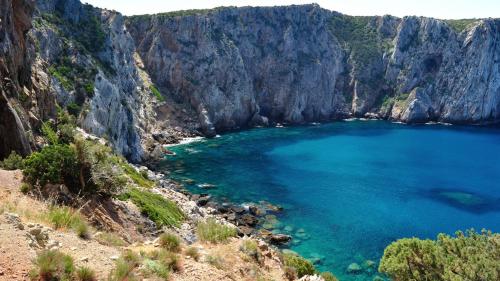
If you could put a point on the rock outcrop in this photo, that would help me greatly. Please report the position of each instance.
(147, 80)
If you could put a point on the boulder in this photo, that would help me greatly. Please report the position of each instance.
(279, 239)
(248, 219)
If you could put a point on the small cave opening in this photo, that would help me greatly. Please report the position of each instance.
(432, 63)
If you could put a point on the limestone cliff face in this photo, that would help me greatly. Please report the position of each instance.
(244, 66)
(24, 99)
(145, 80)
(94, 73)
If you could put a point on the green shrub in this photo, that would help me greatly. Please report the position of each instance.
(156, 93)
(53, 164)
(211, 231)
(193, 253)
(74, 109)
(89, 89)
(66, 133)
(98, 168)
(301, 265)
(52, 265)
(13, 162)
(60, 74)
(85, 274)
(170, 242)
(160, 210)
(470, 256)
(85, 167)
(49, 133)
(25, 188)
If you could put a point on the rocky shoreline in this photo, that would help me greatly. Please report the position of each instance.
(251, 220)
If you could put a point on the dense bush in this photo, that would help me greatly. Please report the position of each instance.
(85, 167)
(211, 231)
(13, 162)
(53, 164)
(301, 266)
(469, 256)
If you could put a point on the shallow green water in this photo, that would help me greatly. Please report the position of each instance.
(351, 188)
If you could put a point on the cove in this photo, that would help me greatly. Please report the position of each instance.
(349, 189)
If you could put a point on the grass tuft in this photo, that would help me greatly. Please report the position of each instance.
(216, 261)
(193, 253)
(52, 265)
(67, 218)
(170, 242)
(85, 274)
(211, 231)
(123, 271)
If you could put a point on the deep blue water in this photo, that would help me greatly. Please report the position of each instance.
(354, 187)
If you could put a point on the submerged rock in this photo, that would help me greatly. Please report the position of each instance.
(354, 268)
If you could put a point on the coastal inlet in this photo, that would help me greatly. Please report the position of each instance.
(348, 189)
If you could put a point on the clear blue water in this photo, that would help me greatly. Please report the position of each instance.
(354, 187)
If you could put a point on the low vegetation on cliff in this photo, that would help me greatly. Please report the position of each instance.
(466, 256)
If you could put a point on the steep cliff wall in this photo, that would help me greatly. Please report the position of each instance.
(24, 99)
(243, 66)
(146, 80)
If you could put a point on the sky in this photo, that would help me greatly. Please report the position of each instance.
(443, 9)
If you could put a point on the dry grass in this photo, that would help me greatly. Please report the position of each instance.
(13, 201)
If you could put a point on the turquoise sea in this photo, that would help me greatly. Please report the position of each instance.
(351, 188)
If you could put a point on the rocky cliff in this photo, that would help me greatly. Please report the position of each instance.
(243, 66)
(145, 80)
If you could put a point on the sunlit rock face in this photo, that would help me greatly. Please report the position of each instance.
(231, 68)
(240, 66)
